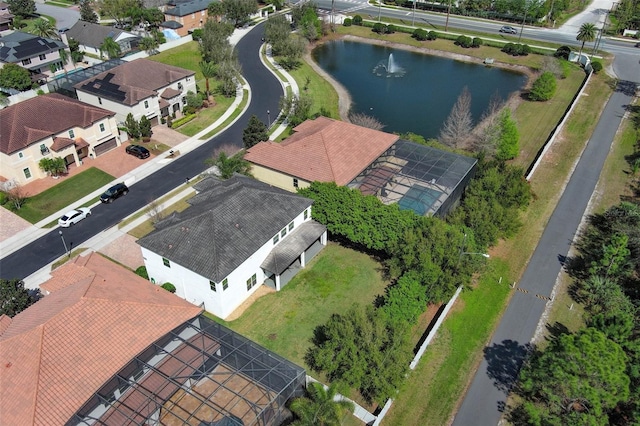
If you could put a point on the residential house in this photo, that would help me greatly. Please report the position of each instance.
(36, 128)
(37, 54)
(427, 180)
(107, 347)
(186, 16)
(140, 87)
(91, 36)
(6, 17)
(236, 235)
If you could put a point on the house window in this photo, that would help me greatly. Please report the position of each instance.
(166, 262)
(225, 284)
(290, 226)
(212, 286)
(72, 134)
(146, 104)
(26, 61)
(179, 86)
(27, 173)
(102, 127)
(184, 100)
(251, 282)
(283, 232)
(306, 214)
(20, 155)
(100, 101)
(43, 148)
(42, 57)
(295, 182)
(276, 239)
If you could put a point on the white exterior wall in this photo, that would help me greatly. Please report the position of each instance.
(196, 289)
(37, 63)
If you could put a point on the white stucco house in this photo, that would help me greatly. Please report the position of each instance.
(91, 36)
(140, 87)
(36, 128)
(236, 235)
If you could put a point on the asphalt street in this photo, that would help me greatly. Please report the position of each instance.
(266, 91)
(65, 17)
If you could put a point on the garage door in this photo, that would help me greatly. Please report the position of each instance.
(105, 146)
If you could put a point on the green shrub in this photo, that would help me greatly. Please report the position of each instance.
(40, 92)
(563, 52)
(3, 198)
(379, 28)
(432, 35)
(566, 68)
(142, 272)
(597, 66)
(391, 29)
(169, 287)
(197, 34)
(177, 123)
(357, 20)
(419, 34)
(463, 41)
(347, 22)
(515, 49)
(543, 88)
(477, 42)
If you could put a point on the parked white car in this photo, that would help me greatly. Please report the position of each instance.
(74, 216)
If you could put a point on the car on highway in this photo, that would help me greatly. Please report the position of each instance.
(74, 216)
(116, 191)
(508, 29)
(139, 151)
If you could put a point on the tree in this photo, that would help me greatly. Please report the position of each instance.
(64, 58)
(149, 45)
(215, 10)
(43, 28)
(208, 70)
(320, 407)
(13, 76)
(238, 11)
(577, 380)
(144, 126)
(14, 298)
(544, 87)
(214, 44)
(405, 301)
(586, 33)
(118, 10)
(228, 71)
(508, 146)
(22, 8)
(364, 120)
(87, 13)
(74, 48)
(255, 132)
(277, 31)
(457, 127)
(111, 48)
(229, 165)
(132, 127)
(16, 196)
(615, 257)
(297, 108)
(54, 166)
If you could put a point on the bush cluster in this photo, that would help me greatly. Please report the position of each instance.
(597, 66)
(347, 22)
(563, 52)
(544, 87)
(464, 41)
(142, 272)
(179, 122)
(169, 287)
(357, 20)
(516, 49)
(381, 28)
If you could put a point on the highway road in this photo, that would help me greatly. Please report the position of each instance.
(266, 91)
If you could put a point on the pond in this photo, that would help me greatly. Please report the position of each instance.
(408, 91)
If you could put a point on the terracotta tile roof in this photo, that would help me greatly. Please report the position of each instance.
(61, 143)
(38, 118)
(169, 93)
(58, 352)
(131, 82)
(323, 149)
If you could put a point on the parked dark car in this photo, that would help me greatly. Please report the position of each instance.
(116, 191)
(508, 29)
(137, 150)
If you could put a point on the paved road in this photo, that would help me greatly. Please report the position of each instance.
(65, 17)
(266, 91)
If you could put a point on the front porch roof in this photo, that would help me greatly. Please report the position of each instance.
(291, 247)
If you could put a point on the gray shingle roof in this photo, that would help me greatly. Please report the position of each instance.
(225, 224)
(288, 250)
(17, 46)
(93, 35)
(189, 7)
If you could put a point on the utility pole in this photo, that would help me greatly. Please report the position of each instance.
(446, 23)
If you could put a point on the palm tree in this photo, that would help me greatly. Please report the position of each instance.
(320, 407)
(208, 70)
(110, 47)
(43, 28)
(149, 45)
(587, 33)
(229, 165)
(64, 58)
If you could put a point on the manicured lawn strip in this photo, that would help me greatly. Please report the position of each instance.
(206, 116)
(236, 113)
(430, 394)
(284, 322)
(60, 196)
(185, 56)
(536, 120)
(324, 95)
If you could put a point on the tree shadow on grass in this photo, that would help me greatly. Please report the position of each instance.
(504, 361)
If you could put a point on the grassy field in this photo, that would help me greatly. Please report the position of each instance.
(337, 278)
(206, 116)
(60, 196)
(324, 95)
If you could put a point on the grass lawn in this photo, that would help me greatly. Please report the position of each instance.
(206, 117)
(284, 322)
(66, 192)
(324, 95)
